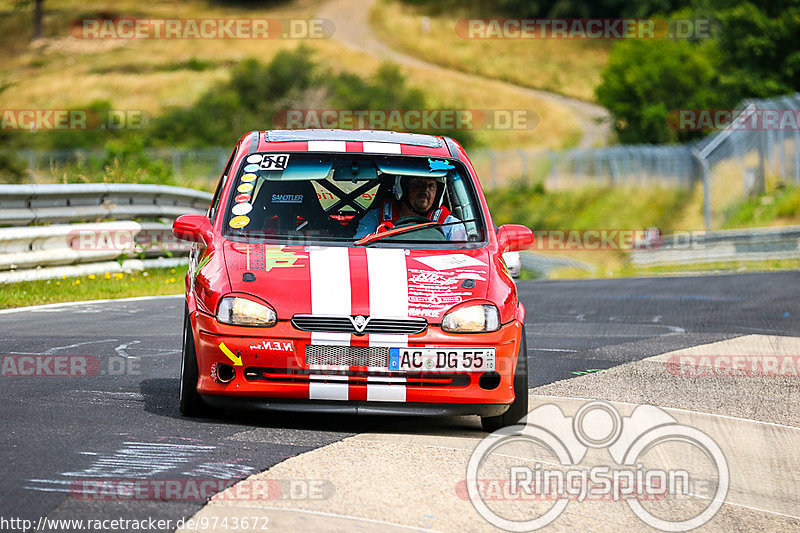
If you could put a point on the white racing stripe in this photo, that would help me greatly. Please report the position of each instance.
(330, 295)
(388, 283)
(327, 146)
(392, 392)
(334, 339)
(328, 391)
(381, 148)
(388, 298)
(330, 281)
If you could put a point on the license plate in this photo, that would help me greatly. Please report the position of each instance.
(441, 359)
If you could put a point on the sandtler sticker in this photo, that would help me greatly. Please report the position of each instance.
(245, 187)
(248, 178)
(274, 162)
(239, 222)
(255, 158)
(241, 209)
(287, 198)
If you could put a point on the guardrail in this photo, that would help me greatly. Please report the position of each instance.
(722, 246)
(35, 204)
(47, 251)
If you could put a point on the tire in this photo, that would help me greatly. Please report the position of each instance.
(519, 408)
(191, 404)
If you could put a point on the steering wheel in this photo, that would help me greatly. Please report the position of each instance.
(417, 219)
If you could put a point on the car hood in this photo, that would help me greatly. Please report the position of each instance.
(385, 282)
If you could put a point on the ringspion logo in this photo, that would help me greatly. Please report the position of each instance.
(548, 461)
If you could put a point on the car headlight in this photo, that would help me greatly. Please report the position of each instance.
(472, 319)
(239, 311)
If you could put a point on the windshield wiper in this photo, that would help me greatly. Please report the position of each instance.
(372, 237)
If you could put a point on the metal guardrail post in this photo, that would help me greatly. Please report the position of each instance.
(797, 156)
(705, 172)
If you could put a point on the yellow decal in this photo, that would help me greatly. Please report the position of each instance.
(239, 222)
(237, 361)
(247, 178)
(245, 187)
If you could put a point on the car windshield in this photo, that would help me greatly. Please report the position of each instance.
(344, 198)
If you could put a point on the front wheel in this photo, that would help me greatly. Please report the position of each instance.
(519, 408)
(191, 404)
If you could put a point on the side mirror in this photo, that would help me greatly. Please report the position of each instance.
(194, 228)
(514, 238)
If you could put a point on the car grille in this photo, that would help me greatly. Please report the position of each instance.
(354, 377)
(342, 324)
(370, 356)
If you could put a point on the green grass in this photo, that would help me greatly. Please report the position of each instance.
(587, 208)
(778, 206)
(627, 270)
(567, 66)
(722, 266)
(630, 208)
(152, 282)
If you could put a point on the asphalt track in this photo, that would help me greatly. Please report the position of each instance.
(123, 423)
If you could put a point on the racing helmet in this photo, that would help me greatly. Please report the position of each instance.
(400, 189)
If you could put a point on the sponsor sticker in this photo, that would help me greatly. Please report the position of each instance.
(251, 168)
(446, 262)
(245, 187)
(255, 158)
(247, 178)
(243, 197)
(241, 209)
(273, 346)
(274, 162)
(239, 221)
(437, 164)
(287, 198)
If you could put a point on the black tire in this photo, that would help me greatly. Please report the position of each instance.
(519, 408)
(191, 404)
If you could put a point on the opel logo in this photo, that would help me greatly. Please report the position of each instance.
(359, 323)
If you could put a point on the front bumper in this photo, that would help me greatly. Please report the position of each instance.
(271, 371)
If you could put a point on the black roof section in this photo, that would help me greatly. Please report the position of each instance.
(414, 139)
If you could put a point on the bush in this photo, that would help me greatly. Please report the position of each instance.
(256, 93)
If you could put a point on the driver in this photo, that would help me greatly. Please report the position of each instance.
(413, 196)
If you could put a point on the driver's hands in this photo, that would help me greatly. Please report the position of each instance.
(386, 226)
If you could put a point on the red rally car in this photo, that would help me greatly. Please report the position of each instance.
(352, 272)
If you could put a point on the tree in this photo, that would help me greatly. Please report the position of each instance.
(644, 80)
